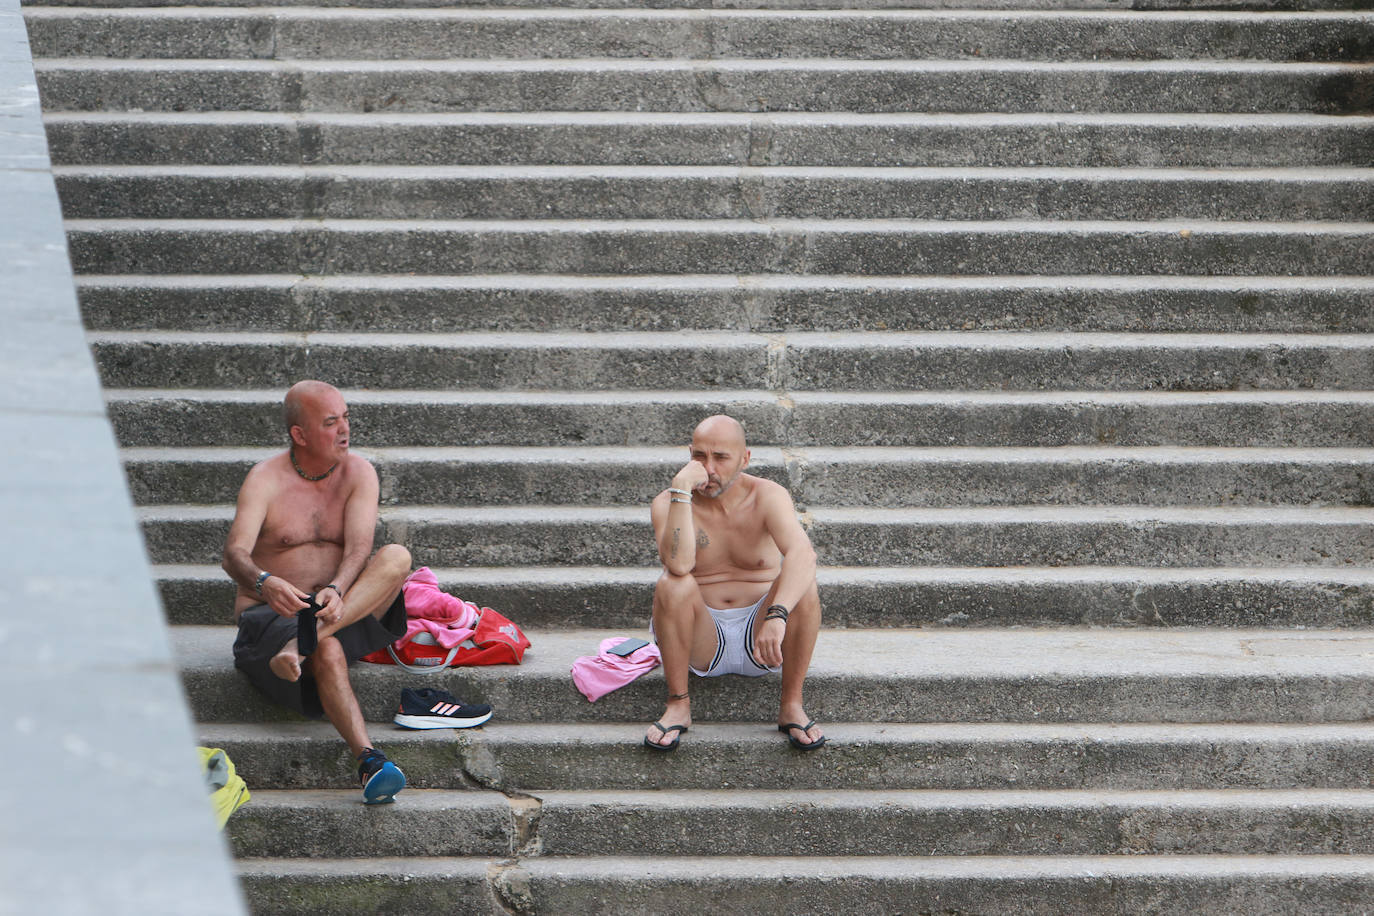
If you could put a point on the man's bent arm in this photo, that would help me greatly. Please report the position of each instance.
(249, 515)
(360, 526)
(675, 532)
(798, 556)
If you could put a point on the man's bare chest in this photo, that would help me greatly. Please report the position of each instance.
(286, 527)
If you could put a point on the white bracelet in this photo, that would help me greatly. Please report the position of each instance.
(678, 499)
(686, 493)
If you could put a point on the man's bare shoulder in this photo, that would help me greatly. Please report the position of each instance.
(769, 491)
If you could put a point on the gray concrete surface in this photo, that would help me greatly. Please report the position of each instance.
(104, 809)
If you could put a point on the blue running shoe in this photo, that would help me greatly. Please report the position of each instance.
(428, 707)
(381, 778)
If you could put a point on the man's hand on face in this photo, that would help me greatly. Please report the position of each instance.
(283, 597)
(692, 476)
(768, 642)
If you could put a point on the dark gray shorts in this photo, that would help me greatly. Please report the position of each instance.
(263, 632)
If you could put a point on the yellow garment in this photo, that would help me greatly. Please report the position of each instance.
(228, 791)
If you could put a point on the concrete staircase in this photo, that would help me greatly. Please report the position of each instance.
(1057, 318)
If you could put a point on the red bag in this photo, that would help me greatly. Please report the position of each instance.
(497, 641)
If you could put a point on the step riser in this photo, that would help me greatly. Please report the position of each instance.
(680, 35)
(839, 424)
(930, 248)
(1125, 480)
(707, 764)
(756, 86)
(580, 601)
(224, 696)
(1285, 6)
(1145, 542)
(796, 826)
(863, 364)
(174, 196)
(338, 827)
(754, 304)
(760, 141)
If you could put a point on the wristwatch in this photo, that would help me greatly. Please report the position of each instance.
(262, 577)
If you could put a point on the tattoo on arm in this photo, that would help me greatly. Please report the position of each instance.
(676, 532)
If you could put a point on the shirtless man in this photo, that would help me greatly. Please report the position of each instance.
(738, 590)
(301, 539)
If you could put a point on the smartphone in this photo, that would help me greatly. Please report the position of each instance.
(628, 646)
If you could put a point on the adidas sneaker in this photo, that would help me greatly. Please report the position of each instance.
(427, 707)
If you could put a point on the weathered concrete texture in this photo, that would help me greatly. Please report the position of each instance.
(841, 476)
(952, 361)
(717, 85)
(146, 418)
(1263, 884)
(760, 303)
(705, 192)
(386, 887)
(102, 778)
(717, 138)
(365, 34)
(902, 596)
(935, 823)
(1045, 885)
(869, 247)
(952, 536)
(886, 675)
(334, 823)
(528, 758)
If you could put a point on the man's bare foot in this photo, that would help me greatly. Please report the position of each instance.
(286, 664)
(802, 732)
(665, 734)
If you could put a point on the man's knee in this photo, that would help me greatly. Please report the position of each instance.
(392, 561)
(674, 592)
(328, 656)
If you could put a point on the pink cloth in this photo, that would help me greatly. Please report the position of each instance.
(445, 633)
(597, 675)
(425, 599)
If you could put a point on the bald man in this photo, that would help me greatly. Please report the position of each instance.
(301, 540)
(738, 589)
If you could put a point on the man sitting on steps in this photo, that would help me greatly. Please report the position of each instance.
(301, 541)
(738, 590)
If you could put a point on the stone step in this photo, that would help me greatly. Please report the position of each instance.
(329, 823)
(882, 676)
(1281, 6)
(743, 756)
(707, 192)
(1280, 419)
(882, 247)
(760, 303)
(842, 476)
(1166, 885)
(898, 596)
(955, 536)
(741, 85)
(1012, 140)
(802, 361)
(365, 34)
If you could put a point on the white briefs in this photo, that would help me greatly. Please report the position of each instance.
(735, 643)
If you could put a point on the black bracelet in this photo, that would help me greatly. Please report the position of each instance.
(777, 612)
(338, 591)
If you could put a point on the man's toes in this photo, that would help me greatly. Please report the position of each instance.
(286, 667)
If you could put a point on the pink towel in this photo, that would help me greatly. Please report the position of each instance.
(597, 675)
(446, 633)
(425, 599)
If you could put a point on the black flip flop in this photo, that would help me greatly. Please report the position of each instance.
(787, 730)
(671, 745)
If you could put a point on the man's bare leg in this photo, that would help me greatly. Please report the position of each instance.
(685, 636)
(798, 642)
(377, 586)
(329, 666)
